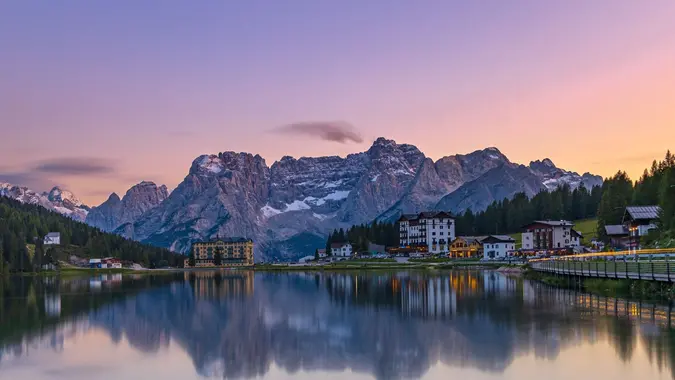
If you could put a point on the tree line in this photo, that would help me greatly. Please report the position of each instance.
(656, 186)
(23, 226)
(510, 215)
(381, 233)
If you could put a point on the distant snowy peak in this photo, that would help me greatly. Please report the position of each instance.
(59, 195)
(553, 177)
(58, 200)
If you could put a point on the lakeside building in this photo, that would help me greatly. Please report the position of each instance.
(498, 246)
(236, 252)
(641, 219)
(322, 253)
(637, 221)
(618, 234)
(430, 231)
(467, 247)
(341, 249)
(550, 235)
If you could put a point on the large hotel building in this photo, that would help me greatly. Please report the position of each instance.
(427, 231)
(236, 252)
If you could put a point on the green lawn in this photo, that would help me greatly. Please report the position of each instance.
(587, 227)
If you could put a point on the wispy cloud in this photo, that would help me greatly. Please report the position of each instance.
(75, 166)
(33, 182)
(336, 131)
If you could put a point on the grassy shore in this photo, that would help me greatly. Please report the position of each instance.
(642, 289)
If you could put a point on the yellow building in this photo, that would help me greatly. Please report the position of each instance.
(466, 247)
(234, 252)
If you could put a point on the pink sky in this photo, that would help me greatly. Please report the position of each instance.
(146, 88)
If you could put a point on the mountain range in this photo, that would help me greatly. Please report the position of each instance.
(58, 200)
(290, 206)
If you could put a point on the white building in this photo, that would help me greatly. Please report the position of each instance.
(550, 235)
(341, 249)
(498, 246)
(52, 238)
(433, 231)
(322, 253)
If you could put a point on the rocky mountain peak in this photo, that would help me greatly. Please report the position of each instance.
(113, 198)
(59, 195)
(225, 162)
(115, 212)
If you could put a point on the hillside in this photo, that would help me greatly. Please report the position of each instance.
(23, 225)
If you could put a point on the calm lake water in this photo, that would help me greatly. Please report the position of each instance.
(372, 325)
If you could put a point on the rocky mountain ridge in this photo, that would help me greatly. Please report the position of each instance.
(288, 207)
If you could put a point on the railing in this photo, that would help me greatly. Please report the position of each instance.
(652, 265)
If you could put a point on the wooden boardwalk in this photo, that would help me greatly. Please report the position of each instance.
(649, 271)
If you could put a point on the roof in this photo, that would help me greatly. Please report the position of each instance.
(338, 245)
(577, 233)
(551, 223)
(426, 215)
(642, 212)
(555, 223)
(616, 230)
(498, 239)
(471, 239)
(227, 240)
(53, 234)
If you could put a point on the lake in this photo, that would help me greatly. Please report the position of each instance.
(470, 325)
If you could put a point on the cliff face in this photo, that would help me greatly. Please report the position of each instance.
(115, 212)
(288, 208)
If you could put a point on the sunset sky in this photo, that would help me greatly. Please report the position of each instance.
(99, 95)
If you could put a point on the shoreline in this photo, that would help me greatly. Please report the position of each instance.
(626, 288)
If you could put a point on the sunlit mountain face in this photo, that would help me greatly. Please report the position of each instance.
(388, 325)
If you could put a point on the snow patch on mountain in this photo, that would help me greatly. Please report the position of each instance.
(57, 200)
(211, 164)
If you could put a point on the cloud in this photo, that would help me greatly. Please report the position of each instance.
(74, 166)
(29, 180)
(336, 131)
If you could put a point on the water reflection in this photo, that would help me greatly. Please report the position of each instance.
(387, 325)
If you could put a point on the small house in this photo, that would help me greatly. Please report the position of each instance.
(341, 249)
(111, 262)
(52, 238)
(498, 246)
(641, 219)
(618, 235)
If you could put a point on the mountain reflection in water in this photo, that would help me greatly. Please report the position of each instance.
(388, 325)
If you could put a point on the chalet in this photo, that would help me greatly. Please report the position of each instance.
(467, 246)
(618, 234)
(641, 219)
